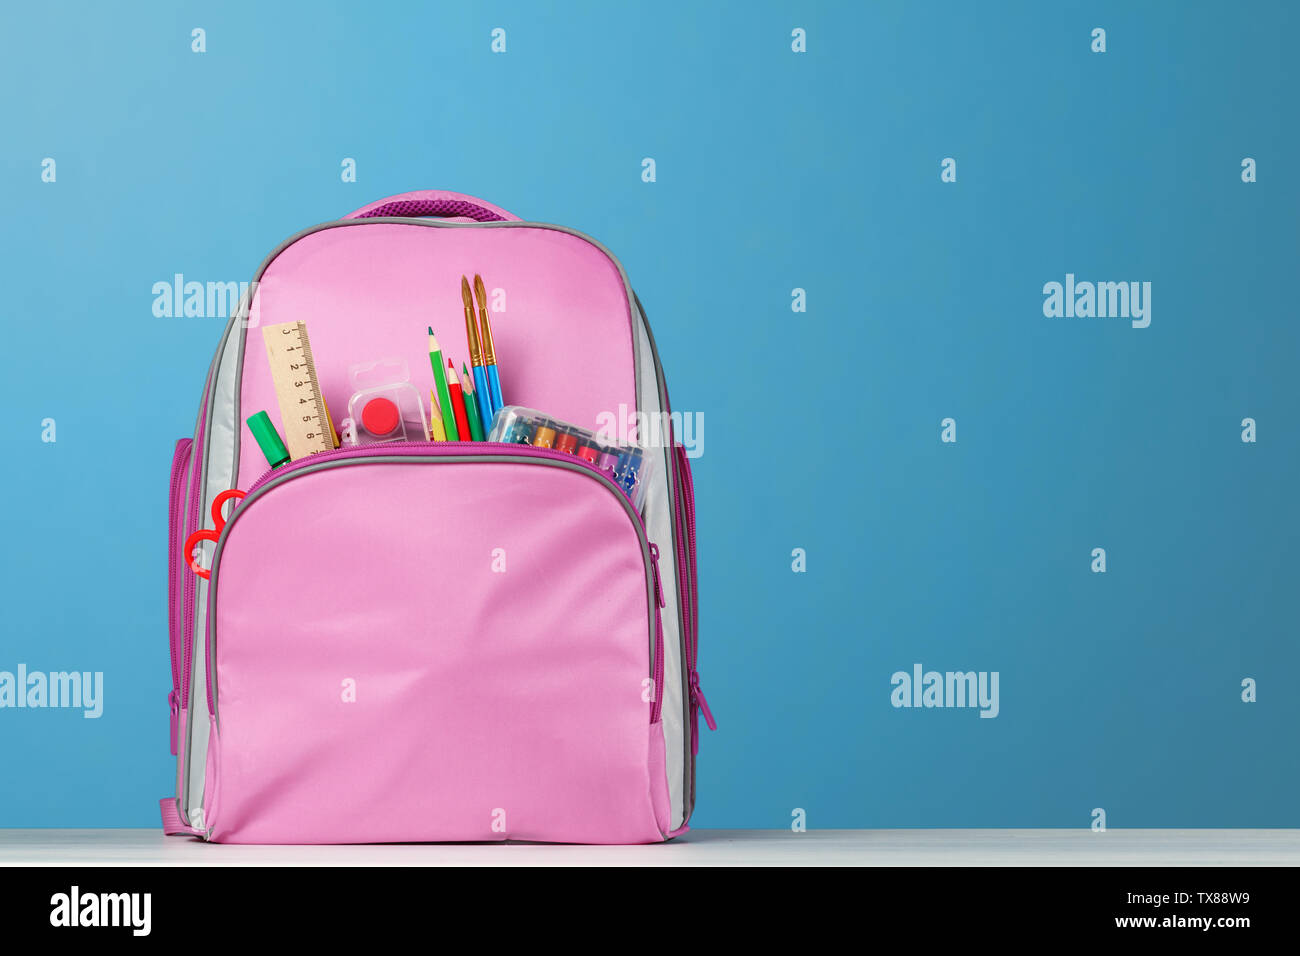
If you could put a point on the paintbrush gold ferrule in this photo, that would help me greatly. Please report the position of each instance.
(475, 353)
(471, 327)
(489, 350)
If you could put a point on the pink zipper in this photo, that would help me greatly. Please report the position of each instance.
(657, 705)
(453, 448)
(191, 525)
(180, 458)
(690, 586)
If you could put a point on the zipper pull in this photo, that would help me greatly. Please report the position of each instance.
(659, 590)
(698, 699)
(174, 707)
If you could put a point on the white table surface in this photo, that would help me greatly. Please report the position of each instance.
(1080, 847)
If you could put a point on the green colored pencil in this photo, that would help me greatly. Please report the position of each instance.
(444, 396)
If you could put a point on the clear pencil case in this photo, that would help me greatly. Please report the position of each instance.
(384, 406)
(629, 466)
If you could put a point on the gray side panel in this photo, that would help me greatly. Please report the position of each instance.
(680, 560)
(218, 474)
(659, 517)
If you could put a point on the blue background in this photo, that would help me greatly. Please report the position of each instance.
(776, 170)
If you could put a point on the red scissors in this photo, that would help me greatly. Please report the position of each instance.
(218, 518)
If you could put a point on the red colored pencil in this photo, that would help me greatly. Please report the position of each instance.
(457, 402)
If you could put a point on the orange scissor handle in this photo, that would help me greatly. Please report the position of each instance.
(206, 534)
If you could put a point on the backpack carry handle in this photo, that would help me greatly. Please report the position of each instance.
(434, 202)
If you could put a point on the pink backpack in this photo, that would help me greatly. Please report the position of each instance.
(435, 641)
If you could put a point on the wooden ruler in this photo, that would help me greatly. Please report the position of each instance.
(306, 421)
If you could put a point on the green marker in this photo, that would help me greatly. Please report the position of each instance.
(471, 406)
(268, 439)
(444, 396)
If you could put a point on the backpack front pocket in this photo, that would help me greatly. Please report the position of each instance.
(435, 643)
